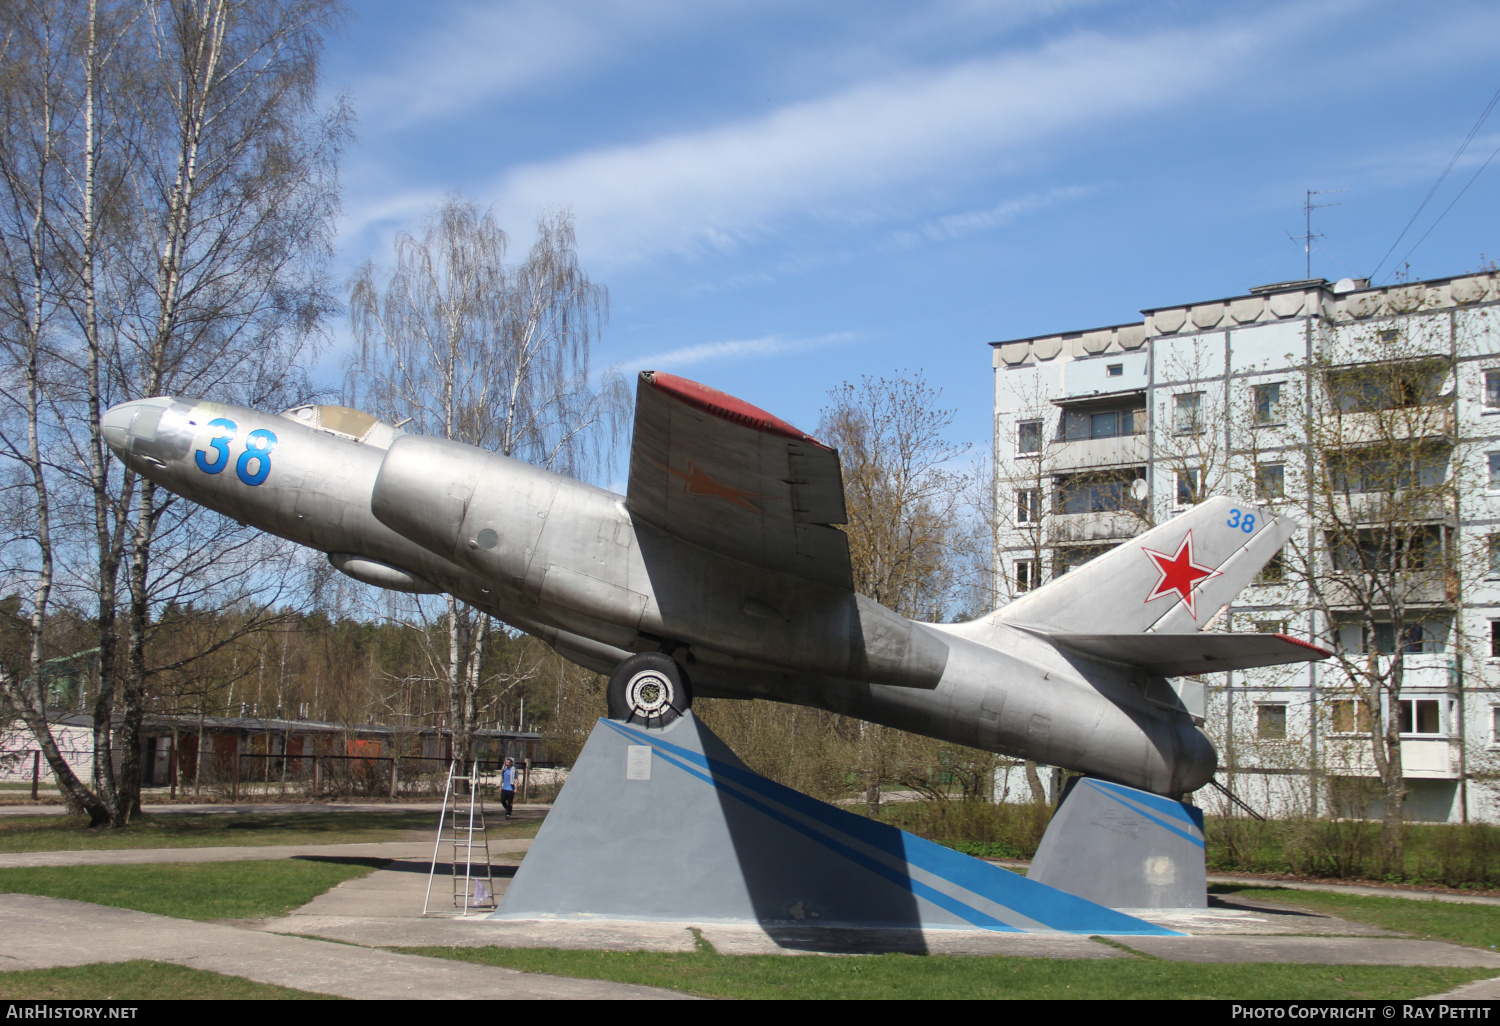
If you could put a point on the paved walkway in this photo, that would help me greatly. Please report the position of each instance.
(1361, 889)
(527, 811)
(392, 850)
(44, 932)
(383, 909)
(1336, 888)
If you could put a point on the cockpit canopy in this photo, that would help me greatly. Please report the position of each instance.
(358, 425)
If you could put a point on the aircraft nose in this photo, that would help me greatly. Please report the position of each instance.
(126, 424)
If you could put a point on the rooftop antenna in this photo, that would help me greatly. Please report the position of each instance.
(1308, 206)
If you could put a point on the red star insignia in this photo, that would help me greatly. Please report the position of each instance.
(697, 482)
(1179, 573)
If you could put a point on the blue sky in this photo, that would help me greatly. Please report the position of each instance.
(781, 196)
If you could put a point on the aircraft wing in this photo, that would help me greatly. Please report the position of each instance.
(715, 471)
(1180, 655)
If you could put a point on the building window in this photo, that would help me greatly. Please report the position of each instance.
(1270, 722)
(1378, 470)
(1270, 626)
(1100, 493)
(1189, 486)
(1494, 554)
(1274, 572)
(1495, 471)
(1349, 716)
(1415, 637)
(1372, 551)
(1268, 404)
(1026, 574)
(1028, 505)
(1420, 716)
(1188, 413)
(1080, 425)
(1066, 557)
(1492, 389)
(1495, 724)
(1495, 638)
(1115, 370)
(1387, 386)
(1029, 437)
(1270, 481)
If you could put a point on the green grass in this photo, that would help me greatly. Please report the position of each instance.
(214, 829)
(1475, 925)
(966, 977)
(204, 890)
(139, 981)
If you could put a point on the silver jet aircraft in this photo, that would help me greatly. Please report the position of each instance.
(721, 573)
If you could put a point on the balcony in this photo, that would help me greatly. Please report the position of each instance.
(1085, 528)
(1419, 589)
(1100, 453)
(1425, 758)
(1401, 424)
(1377, 508)
(1428, 671)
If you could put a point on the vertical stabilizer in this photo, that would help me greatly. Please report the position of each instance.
(1170, 580)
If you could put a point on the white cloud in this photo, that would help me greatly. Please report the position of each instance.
(967, 222)
(850, 156)
(477, 53)
(481, 50)
(740, 349)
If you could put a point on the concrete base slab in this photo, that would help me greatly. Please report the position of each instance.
(480, 932)
(1241, 916)
(804, 940)
(727, 939)
(1316, 951)
(45, 932)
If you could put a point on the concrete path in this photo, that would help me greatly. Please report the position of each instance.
(1361, 889)
(44, 932)
(1020, 865)
(1479, 990)
(492, 806)
(1315, 951)
(391, 850)
(383, 908)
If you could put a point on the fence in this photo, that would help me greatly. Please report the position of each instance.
(258, 775)
(343, 776)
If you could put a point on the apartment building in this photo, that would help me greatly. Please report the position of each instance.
(1369, 414)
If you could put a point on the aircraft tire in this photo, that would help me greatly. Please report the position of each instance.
(650, 690)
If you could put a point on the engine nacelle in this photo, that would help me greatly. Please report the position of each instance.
(382, 575)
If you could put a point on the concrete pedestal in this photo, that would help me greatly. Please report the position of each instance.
(1124, 848)
(669, 825)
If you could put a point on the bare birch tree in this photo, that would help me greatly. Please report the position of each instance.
(459, 344)
(904, 503)
(185, 239)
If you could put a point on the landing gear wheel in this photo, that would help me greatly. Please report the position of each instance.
(650, 689)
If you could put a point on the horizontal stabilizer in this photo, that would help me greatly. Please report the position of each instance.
(1181, 655)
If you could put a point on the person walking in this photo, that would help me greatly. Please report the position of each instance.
(508, 786)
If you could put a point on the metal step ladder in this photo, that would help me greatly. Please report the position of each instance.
(462, 825)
